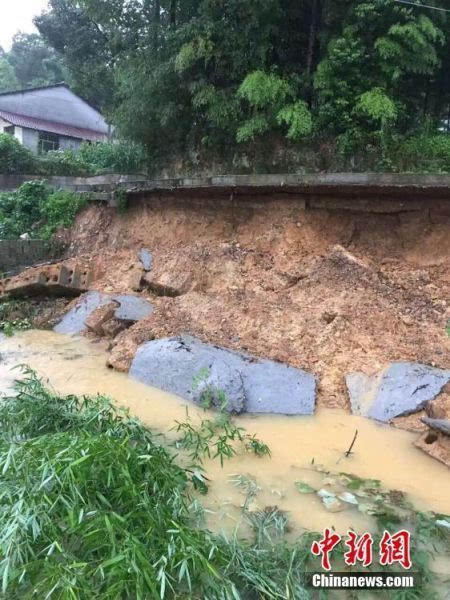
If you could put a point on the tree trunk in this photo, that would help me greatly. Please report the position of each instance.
(157, 22)
(173, 14)
(312, 38)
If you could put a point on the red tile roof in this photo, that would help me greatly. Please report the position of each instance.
(52, 127)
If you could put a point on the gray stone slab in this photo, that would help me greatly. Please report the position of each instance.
(442, 425)
(73, 321)
(276, 388)
(132, 308)
(249, 384)
(400, 389)
(146, 258)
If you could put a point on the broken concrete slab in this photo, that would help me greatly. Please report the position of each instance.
(400, 389)
(74, 321)
(100, 316)
(436, 445)
(135, 278)
(168, 283)
(249, 384)
(441, 425)
(54, 279)
(277, 388)
(173, 364)
(146, 258)
(131, 308)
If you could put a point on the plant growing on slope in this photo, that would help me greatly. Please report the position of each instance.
(272, 102)
(35, 208)
(59, 210)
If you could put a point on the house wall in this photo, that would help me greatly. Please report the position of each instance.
(3, 124)
(27, 137)
(30, 139)
(69, 143)
(18, 254)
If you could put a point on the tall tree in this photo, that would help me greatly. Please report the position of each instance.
(34, 62)
(8, 79)
(181, 75)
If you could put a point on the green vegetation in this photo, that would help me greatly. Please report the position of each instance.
(90, 159)
(94, 505)
(37, 210)
(9, 327)
(217, 439)
(15, 315)
(264, 85)
(30, 63)
(14, 158)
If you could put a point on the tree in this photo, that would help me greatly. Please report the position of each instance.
(8, 79)
(34, 62)
(180, 76)
(84, 48)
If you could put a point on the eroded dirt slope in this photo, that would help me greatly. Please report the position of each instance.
(328, 291)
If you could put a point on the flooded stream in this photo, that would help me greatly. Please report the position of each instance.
(77, 365)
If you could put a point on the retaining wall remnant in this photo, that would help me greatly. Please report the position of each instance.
(18, 254)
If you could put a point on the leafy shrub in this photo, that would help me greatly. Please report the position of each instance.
(298, 118)
(263, 89)
(90, 159)
(35, 208)
(59, 210)
(426, 152)
(268, 96)
(117, 157)
(377, 105)
(63, 162)
(15, 158)
(21, 210)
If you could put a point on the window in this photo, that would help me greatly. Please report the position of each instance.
(11, 130)
(48, 141)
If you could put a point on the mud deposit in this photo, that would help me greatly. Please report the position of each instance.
(328, 291)
(77, 365)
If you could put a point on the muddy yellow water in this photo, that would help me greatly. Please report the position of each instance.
(77, 365)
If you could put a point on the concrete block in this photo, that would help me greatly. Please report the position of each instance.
(400, 389)
(249, 384)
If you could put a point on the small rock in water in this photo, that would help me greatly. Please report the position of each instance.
(348, 497)
(329, 500)
(400, 389)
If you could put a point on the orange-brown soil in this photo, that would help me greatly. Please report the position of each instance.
(328, 291)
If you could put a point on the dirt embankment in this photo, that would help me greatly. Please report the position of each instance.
(328, 291)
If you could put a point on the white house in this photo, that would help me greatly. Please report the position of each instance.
(50, 118)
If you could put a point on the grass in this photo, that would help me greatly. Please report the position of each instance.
(217, 438)
(93, 505)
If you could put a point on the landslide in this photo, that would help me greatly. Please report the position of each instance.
(329, 291)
